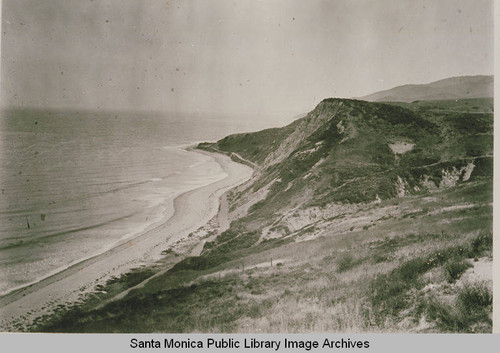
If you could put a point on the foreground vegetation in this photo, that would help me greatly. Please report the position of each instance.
(359, 281)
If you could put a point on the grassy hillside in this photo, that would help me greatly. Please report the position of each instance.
(346, 155)
(359, 217)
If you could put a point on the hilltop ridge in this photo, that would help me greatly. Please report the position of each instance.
(344, 144)
(459, 87)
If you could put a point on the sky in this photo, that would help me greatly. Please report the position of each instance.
(233, 56)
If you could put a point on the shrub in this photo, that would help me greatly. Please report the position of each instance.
(483, 242)
(470, 313)
(474, 296)
(345, 262)
(455, 268)
(378, 258)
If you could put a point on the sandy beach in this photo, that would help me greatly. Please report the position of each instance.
(193, 209)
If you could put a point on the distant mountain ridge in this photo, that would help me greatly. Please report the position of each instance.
(459, 87)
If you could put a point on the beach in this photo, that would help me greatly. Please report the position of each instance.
(192, 210)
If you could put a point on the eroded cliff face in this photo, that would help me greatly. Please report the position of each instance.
(349, 152)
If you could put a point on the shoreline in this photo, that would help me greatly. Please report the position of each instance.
(192, 210)
(144, 229)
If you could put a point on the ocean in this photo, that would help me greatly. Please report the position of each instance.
(75, 183)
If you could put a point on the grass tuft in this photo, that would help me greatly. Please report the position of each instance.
(455, 268)
(476, 296)
(470, 313)
(345, 263)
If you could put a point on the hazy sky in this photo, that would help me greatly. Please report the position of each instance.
(233, 56)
